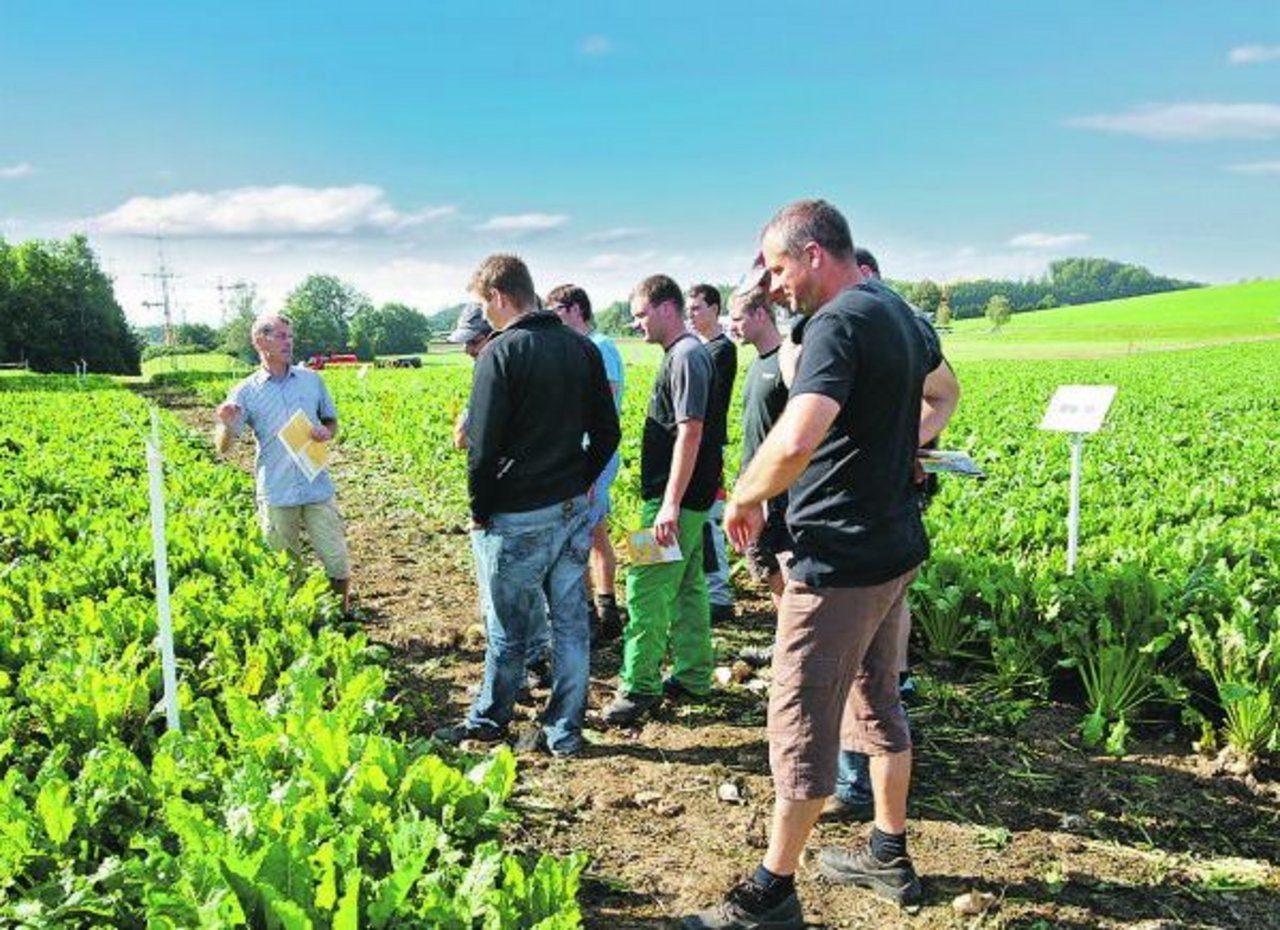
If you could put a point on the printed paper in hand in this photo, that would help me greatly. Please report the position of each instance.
(951, 461)
(644, 549)
(308, 454)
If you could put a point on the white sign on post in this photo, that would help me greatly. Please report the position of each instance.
(1077, 409)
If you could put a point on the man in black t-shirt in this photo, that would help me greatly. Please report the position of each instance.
(680, 463)
(764, 396)
(704, 321)
(845, 445)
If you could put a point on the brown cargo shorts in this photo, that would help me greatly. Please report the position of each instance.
(835, 682)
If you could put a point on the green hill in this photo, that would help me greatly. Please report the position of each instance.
(1181, 319)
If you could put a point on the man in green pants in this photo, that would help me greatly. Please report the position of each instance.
(680, 465)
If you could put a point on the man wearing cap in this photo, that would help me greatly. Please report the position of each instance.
(704, 321)
(573, 306)
(287, 500)
(680, 464)
(539, 388)
(845, 446)
(473, 333)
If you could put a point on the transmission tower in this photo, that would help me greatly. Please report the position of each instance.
(164, 276)
(236, 289)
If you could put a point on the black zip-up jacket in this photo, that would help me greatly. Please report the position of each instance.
(539, 389)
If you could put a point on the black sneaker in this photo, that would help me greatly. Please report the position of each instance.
(895, 879)
(627, 709)
(837, 808)
(722, 613)
(480, 733)
(756, 656)
(534, 739)
(677, 693)
(609, 622)
(539, 674)
(747, 906)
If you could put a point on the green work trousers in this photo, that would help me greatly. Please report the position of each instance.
(668, 610)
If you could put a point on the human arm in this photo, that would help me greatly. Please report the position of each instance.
(602, 427)
(460, 429)
(224, 431)
(488, 411)
(684, 456)
(939, 399)
(779, 461)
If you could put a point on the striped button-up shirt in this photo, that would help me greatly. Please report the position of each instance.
(267, 403)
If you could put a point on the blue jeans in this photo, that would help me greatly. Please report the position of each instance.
(539, 640)
(602, 499)
(853, 777)
(526, 563)
(719, 591)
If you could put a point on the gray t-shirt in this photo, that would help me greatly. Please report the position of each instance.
(681, 391)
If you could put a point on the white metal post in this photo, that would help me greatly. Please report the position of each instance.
(155, 471)
(1073, 516)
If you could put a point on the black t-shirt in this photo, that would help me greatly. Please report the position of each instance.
(853, 512)
(681, 391)
(763, 398)
(724, 358)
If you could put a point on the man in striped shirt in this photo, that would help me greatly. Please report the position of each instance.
(287, 499)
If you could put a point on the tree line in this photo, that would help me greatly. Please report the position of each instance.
(57, 307)
(58, 310)
(1068, 281)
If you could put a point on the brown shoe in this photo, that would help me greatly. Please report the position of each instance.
(838, 809)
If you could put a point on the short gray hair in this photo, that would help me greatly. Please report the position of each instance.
(806, 221)
(265, 322)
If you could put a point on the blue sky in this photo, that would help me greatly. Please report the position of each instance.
(397, 144)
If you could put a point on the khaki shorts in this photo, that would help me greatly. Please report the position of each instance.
(282, 527)
(835, 682)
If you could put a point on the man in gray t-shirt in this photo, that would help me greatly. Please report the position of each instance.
(679, 472)
(287, 499)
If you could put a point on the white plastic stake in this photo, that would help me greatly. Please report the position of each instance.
(155, 471)
(1073, 515)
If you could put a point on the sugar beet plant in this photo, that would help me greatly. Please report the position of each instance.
(1176, 580)
(287, 799)
(1185, 476)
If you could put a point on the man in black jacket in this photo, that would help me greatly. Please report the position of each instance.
(539, 389)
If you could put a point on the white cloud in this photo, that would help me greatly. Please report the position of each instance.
(20, 170)
(596, 46)
(523, 222)
(284, 210)
(617, 234)
(1040, 240)
(427, 285)
(1253, 54)
(622, 261)
(1256, 167)
(1190, 121)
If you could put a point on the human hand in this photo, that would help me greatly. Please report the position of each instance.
(666, 525)
(228, 413)
(743, 523)
(321, 433)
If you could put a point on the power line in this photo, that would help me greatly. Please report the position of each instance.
(164, 276)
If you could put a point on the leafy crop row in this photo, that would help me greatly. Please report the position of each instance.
(1177, 593)
(287, 799)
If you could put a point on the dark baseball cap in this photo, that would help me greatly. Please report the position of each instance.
(471, 325)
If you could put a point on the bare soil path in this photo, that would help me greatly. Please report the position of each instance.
(1005, 801)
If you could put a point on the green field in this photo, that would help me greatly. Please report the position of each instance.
(1182, 319)
(204, 361)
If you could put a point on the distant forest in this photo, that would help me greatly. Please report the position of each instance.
(58, 310)
(1069, 281)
